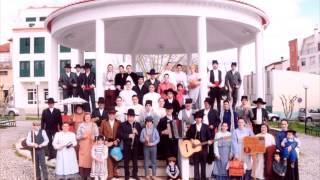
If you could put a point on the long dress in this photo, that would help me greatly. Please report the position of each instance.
(85, 144)
(195, 92)
(260, 162)
(222, 149)
(66, 161)
(99, 169)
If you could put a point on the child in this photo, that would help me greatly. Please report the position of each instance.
(279, 169)
(38, 139)
(172, 169)
(99, 153)
(150, 137)
(292, 142)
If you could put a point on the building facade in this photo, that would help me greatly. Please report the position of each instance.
(6, 79)
(309, 59)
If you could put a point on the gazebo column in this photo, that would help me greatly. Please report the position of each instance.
(189, 59)
(259, 64)
(100, 57)
(240, 69)
(202, 50)
(133, 62)
(53, 71)
(80, 57)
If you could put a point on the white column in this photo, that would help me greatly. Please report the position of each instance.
(53, 72)
(133, 62)
(240, 69)
(259, 65)
(100, 57)
(80, 57)
(189, 59)
(202, 50)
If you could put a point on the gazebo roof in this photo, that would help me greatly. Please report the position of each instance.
(156, 26)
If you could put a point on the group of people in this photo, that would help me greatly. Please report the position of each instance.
(148, 119)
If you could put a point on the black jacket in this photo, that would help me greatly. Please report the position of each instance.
(88, 80)
(120, 79)
(205, 133)
(213, 117)
(176, 106)
(140, 92)
(79, 79)
(134, 77)
(125, 130)
(156, 84)
(67, 81)
(96, 113)
(264, 114)
(51, 121)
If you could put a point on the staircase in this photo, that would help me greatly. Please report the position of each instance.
(161, 169)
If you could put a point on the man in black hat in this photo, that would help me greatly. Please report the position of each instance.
(67, 82)
(232, 84)
(186, 117)
(129, 133)
(215, 84)
(260, 115)
(99, 114)
(170, 93)
(168, 130)
(51, 122)
(78, 91)
(140, 88)
(201, 132)
(152, 79)
(88, 85)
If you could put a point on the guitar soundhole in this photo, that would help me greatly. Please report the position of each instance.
(187, 148)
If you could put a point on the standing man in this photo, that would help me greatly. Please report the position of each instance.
(78, 91)
(170, 93)
(186, 117)
(99, 115)
(127, 94)
(51, 122)
(109, 87)
(129, 133)
(67, 82)
(233, 83)
(88, 85)
(215, 84)
(201, 132)
(260, 115)
(109, 129)
(165, 85)
(140, 88)
(168, 70)
(181, 76)
(120, 79)
(131, 76)
(153, 79)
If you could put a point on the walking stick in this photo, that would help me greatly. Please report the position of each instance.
(34, 158)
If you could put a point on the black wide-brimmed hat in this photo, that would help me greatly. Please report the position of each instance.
(111, 110)
(215, 61)
(131, 113)
(67, 66)
(51, 101)
(188, 101)
(233, 64)
(198, 114)
(152, 72)
(77, 66)
(168, 105)
(291, 131)
(170, 90)
(87, 66)
(101, 100)
(259, 100)
(244, 97)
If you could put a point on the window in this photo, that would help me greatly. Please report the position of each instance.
(93, 63)
(312, 60)
(64, 49)
(31, 19)
(24, 45)
(318, 46)
(46, 94)
(32, 96)
(24, 68)
(42, 18)
(31, 24)
(39, 68)
(62, 63)
(3, 73)
(39, 45)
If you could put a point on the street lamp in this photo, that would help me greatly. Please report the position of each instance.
(37, 84)
(305, 106)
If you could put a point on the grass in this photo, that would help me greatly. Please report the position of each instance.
(32, 118)
(295, 125)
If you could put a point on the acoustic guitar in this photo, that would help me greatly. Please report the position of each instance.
(188, 147)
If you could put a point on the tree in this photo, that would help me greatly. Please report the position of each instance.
(288, 105)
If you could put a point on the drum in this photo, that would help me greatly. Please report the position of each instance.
(116, 153)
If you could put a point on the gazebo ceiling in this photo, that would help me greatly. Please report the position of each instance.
(156, 34)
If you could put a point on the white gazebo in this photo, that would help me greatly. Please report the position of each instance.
(156, 27)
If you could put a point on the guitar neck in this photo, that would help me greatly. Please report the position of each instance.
(206, 142)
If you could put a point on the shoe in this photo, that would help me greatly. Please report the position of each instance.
(147, 177)
(136, 177)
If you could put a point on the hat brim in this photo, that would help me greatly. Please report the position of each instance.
(129, 114)
(173, 92)
(262, 102)
(51, 102)
(152, 73)
(112, 111)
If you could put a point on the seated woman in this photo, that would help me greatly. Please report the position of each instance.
(66, 161)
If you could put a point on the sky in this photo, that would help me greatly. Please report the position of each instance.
(289, 19)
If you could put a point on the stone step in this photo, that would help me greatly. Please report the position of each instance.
(160, 163)
(161, 172)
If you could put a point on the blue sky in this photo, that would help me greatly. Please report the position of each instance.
(311, 10)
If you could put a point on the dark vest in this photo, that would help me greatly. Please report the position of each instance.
(38, 138)
(212, 76)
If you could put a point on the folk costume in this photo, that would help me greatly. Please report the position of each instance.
(99, 114)
(67, 81)
(88, 85)
(215, 83)
(78, 91)
(260, 116)
(109, 89)
(150, 81)
(233, 82)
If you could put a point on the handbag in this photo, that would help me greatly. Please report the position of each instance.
(116, 153)
(236, 168)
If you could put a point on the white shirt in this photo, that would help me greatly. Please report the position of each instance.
(107, 78)
(198, 126)
(111, 122)
(101, 111)
(216, 77)
(126, 95)
(181, 77)
(68, 74)
(154, 97)
(172, 76)
(216, 74)
(259, 116)
(44, 135)
(120, 113)
(51, 109)
(188, 112)
(205, 119)
(129, 78)
(138, 108)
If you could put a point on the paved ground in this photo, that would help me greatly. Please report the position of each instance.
(13, 167)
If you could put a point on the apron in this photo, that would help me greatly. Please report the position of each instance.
(85, 160)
